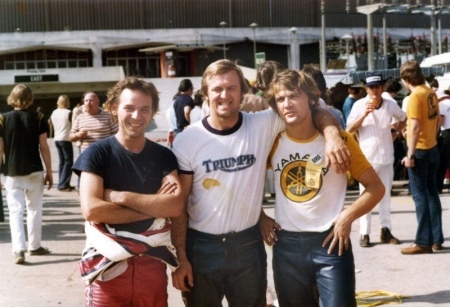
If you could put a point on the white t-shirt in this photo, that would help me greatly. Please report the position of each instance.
(205, 109)
(444, 109)
(195, 115)
(61, 124)
(171, 118)
(300, 207)
(375, 137)
(405, 103)
(228, 169)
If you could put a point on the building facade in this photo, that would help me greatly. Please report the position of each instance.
(72, 46)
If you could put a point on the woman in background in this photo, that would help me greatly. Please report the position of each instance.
(61, 119)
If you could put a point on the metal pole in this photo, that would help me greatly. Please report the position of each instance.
(369, 43)
(433, 34)
(254, 46)
(253, 26)
(223, 25)
(348, 59)
(385, 49)
(294, 49)
(439, 34)
(369, 10)
(230, 13)
(323, 50)
(270, 12)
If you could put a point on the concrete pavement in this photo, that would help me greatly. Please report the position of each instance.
(54, 280)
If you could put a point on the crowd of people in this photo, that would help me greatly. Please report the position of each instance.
(196, 205)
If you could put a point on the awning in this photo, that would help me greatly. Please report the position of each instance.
(395, 73)
(42, 47)
(133, 46)
(181, 48)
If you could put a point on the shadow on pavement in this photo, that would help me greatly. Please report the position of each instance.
(74, 258)
(440, 297)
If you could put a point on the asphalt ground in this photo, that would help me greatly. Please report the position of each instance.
(54, 279)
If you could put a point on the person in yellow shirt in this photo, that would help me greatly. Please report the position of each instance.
(312, 256)
(422, 159)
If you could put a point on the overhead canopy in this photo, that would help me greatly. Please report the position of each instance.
(42, 47)
(134, 46)
(395, 73)
(356, 76)
(180, 47)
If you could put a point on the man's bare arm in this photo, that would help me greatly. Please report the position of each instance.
(412, 138)
(336, 150)
(400, 126)
(182, 278)
(356, 124)
(167, 203)
(95, 209)
(373, 192)
(76, 136)
(2, 151)
(187, 113)
(268, 228)
(46, 157)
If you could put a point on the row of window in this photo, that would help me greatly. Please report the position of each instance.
(39, 55)
(15, 65)
(134, 63)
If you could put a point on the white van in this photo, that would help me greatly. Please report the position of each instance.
(442, 60)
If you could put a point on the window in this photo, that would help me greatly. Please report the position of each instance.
(134, 63)
(9, 65)
(42, 59)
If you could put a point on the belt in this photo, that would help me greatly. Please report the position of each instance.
(249, 232)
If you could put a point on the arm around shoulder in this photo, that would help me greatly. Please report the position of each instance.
(336, 150)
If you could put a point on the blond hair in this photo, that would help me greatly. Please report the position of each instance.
(295, 81)
(21, 97)
(221, 67)
(63, 102)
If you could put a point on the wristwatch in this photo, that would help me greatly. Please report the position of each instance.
(410, 157)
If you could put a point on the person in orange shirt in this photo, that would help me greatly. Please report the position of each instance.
(422, 159)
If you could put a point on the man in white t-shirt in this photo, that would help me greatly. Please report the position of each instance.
(222, 162)
(371, 117)
(444, 138)
(312, 254)
(61, 119)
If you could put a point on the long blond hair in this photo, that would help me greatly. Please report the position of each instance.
(21, 96)
(63, 102)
